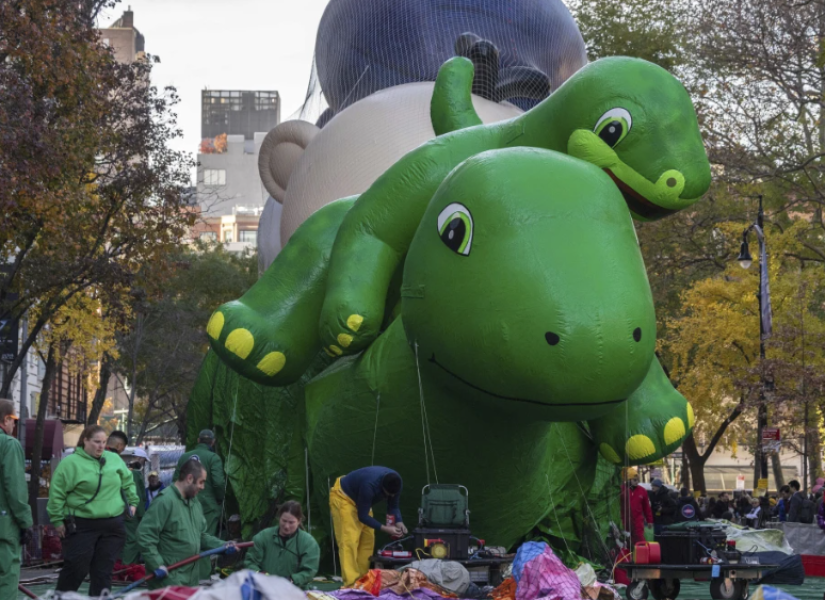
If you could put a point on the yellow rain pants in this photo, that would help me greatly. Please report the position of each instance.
(356, 541)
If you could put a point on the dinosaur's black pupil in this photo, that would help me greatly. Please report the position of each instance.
(454, 233)
(612, 133)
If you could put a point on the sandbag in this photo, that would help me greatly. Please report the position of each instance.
(789, 572)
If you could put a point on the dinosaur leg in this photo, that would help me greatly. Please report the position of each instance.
(651, 424)
(270, 334)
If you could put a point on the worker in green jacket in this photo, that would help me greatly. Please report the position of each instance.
(15, 514)
(174, 529)
(91, 491)
(131, 552)
(286, 550)
(117, 443)
(212, 496)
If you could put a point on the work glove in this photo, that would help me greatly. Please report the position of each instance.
(230, 549)
(161, 572)
(25, 536)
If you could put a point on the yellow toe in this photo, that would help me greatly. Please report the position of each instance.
(329, 353)
(344, 339)
(609, 453)
(336, 350)
(272, 363)
(354, 322)
(639, 447)
(215, 325)
(240, 342)
(691, 416)
(674, 431)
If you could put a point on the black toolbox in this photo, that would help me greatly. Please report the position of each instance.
(687, 545)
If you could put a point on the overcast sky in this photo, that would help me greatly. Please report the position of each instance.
(227, 44)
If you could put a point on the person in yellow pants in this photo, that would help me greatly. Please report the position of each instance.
(351, 500)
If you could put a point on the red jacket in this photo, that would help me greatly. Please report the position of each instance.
(640, 512)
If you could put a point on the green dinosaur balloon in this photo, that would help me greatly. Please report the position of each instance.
(524, 308)
(627, 116)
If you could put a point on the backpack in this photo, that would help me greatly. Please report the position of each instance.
(806, 511)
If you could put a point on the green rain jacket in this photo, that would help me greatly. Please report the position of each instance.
(15, 513)
(213, 492)
(171, 530)
(131, 552)
(75, 481)
(297, 559)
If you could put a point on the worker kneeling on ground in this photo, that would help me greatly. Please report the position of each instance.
(351, 501)
(286, 550)
(174, 529)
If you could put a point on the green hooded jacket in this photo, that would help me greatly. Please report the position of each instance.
(213, 493)
(171, 530)
(15, 513)
(297, 559)
(75, 481)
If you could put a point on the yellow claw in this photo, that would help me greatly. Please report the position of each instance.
(272, 363)
(354, 322)
(215, 325)
(344, 339)
(691, 416)
(674, 431)
(329, 353)
(609, 453)
(639, 447)
(240, 342)
(336, 350)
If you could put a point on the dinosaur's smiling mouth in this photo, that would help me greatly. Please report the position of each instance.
(524, 400)
(638, 203)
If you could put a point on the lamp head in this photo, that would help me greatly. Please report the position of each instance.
(745, 260)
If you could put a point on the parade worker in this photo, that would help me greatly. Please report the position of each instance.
(131, 552)
(15, 514)
(635, 507)
(174, 529)
(212, 495)
(86, 506)
(286, 550)
(351, 501)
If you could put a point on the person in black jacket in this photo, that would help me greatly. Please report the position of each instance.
(686, 508)
(722, 508)
(664, 507)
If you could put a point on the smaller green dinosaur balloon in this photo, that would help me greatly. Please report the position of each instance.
(627, 116)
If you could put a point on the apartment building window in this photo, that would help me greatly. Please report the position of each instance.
(227, 237)
(249, 236)
(214, 177)
(208, 236)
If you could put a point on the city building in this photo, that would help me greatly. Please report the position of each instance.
(230, 194)
(126, 41)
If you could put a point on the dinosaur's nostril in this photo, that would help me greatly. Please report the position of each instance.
(551, 338)
(637, 334)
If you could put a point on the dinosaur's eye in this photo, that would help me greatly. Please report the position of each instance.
(455, 228)
(613, 126)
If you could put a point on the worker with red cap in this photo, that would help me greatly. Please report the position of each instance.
(635, 506)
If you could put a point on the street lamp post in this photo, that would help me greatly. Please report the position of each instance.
(765, 325)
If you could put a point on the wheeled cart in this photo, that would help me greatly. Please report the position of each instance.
(727, 581)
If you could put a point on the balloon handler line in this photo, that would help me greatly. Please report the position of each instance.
(178, 565)
(27, 592)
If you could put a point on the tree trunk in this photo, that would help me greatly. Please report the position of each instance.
(814, 454)
(778, 476)
(685, 474)
(39, 428)
(696, 462)
(100, 394)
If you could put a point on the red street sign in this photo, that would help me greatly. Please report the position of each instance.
(771, 433)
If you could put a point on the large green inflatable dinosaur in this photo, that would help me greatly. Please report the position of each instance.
(484, 309)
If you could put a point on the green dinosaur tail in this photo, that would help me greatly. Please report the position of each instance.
(269, 335)
(451, 107)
